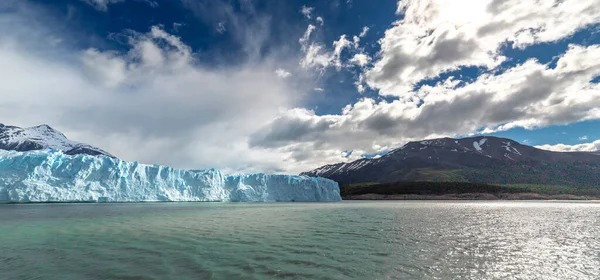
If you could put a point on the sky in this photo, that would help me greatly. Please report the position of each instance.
(287, 86)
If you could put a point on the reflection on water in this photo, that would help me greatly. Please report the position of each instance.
(359, 240)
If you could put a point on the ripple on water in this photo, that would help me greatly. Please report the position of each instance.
(363, 240)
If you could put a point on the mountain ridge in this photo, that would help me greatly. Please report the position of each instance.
(43, 137)
(481, 159)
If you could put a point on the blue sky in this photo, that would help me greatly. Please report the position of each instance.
(286, 86)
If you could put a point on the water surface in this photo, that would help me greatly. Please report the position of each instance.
(348, 240)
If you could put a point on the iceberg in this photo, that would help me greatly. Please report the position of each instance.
(53, 176)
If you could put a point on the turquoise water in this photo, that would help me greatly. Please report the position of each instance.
(348, 240)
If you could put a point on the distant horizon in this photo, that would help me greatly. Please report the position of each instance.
(368, 157)
(288, 86)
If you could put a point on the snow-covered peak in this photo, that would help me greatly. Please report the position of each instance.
(443, 153)
(42, 137)
(327, 168)
(42, 134)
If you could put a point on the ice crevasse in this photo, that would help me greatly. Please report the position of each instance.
(52, 176)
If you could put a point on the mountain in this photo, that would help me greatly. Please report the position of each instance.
(52, 176)
(42, 137)
(476, 159)
(39, 164)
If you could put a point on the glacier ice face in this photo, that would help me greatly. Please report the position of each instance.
(52, 176)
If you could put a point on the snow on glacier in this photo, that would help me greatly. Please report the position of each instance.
(52, 176)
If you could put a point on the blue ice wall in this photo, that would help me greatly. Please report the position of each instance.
(51, 176)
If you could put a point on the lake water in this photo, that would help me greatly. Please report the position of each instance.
(348, 240)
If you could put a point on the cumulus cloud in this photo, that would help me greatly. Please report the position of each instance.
(587, 147)
(529, 95)
(153, 103)
(436, 36)
(156, 103)
(583, 138)
(360, 59)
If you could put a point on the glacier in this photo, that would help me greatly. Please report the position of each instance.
(53, 176)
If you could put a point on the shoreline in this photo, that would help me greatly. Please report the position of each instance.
(471, 196)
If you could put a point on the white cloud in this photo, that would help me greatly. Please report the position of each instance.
(316, 55)
(307, 11)
(360, 59)
(529, 95)
(583, 138)
(304, 39)
(360, 88)
(437, 36)
(356, 39)
(338, 47)
(154, 103)
(320, 21)
(105, 68)
(587, 147)
(282, 73)
(319, 89)
(364, 32)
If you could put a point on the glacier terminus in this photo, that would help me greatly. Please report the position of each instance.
(53, 176)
